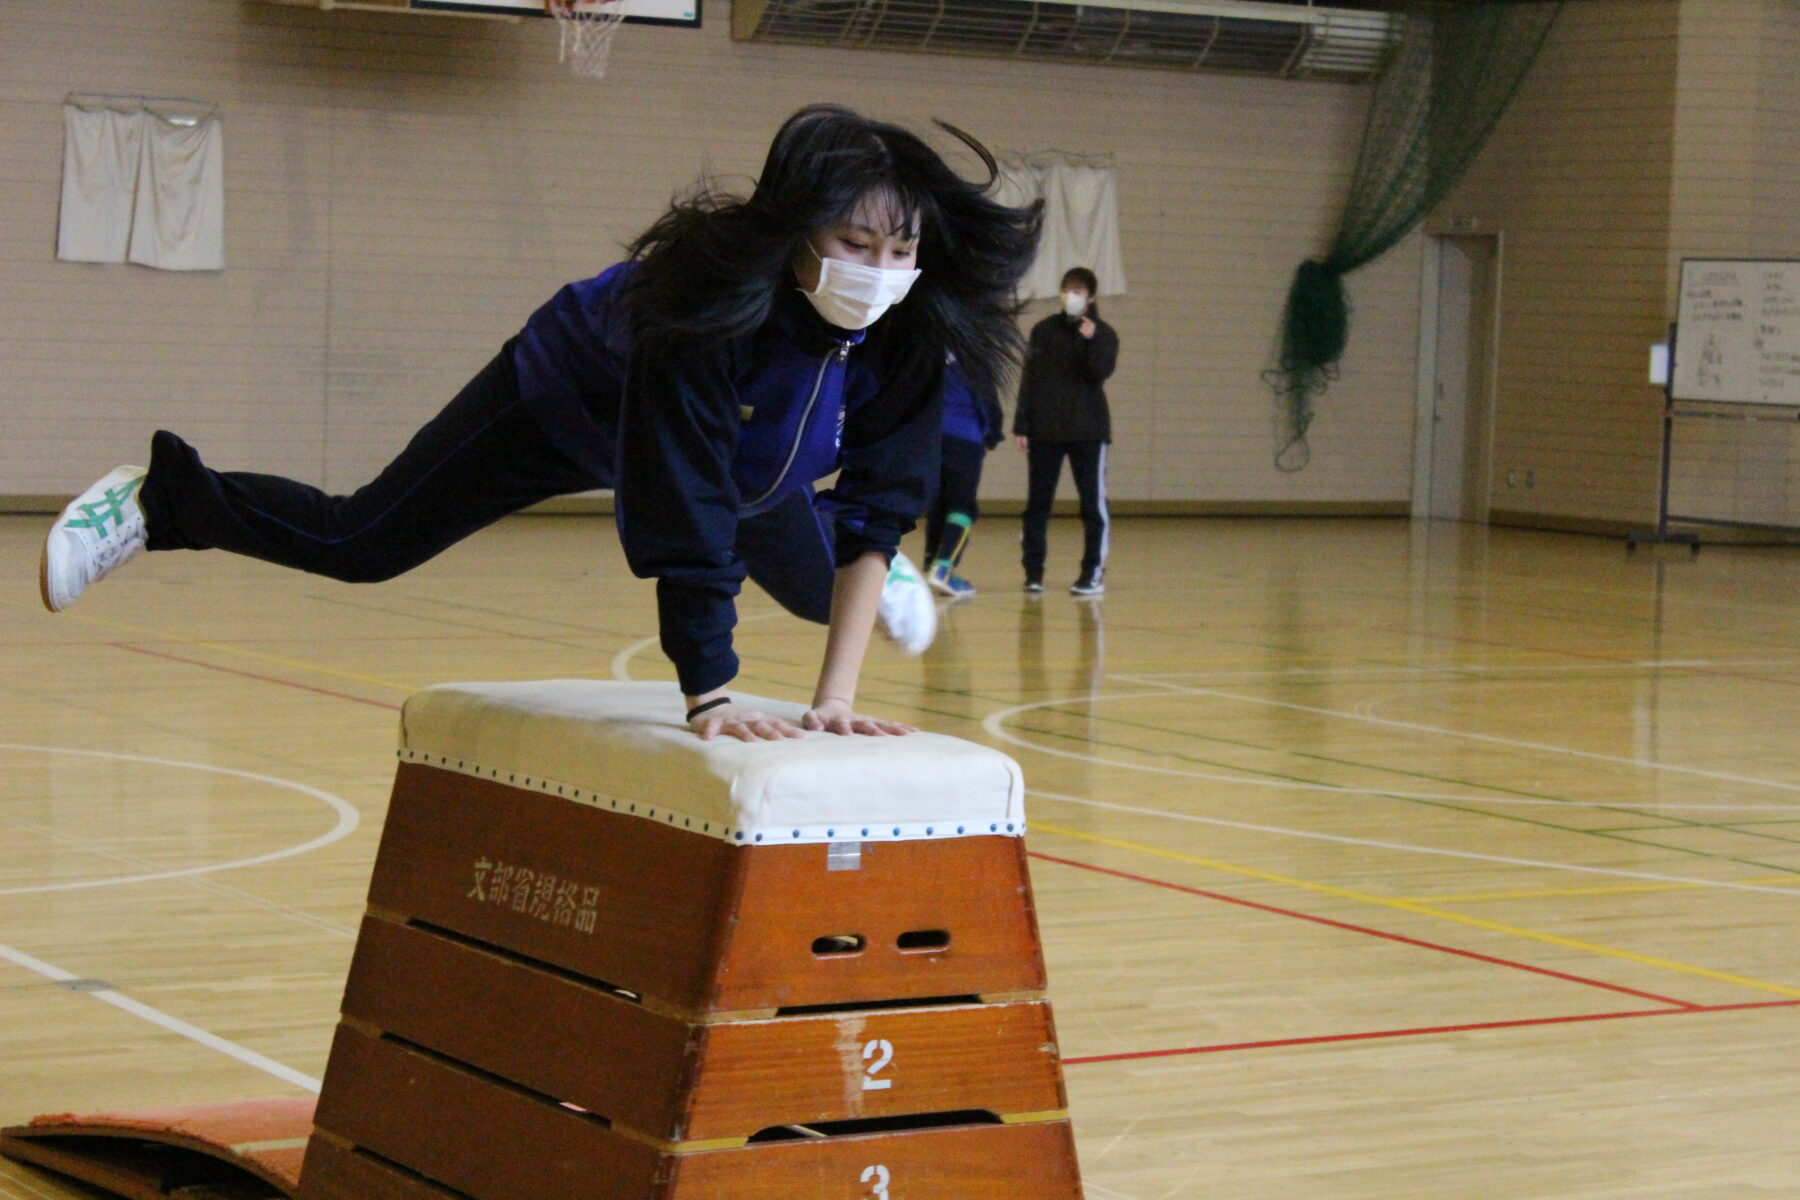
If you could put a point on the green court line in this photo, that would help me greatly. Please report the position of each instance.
(1012, 698)
(1727, 826)
(1422, 673)
(1637, 828)
(452, 623)
(1748, 862)
(1443, 805)
(539, 639)
(502, 612)
(1263, 772)
(1415, 907)
(1675, 820)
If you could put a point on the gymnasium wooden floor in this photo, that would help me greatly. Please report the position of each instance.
(1375, 860)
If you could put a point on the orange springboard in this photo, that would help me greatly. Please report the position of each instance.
(239, 1150)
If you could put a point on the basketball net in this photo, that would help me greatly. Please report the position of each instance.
(586, 28)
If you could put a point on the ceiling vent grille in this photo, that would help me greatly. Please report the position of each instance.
(1297, 40)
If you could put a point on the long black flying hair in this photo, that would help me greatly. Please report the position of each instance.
(712, 265)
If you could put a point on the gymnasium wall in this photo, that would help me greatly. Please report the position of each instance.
(1737, 195)
(1737, 131)
(403, 190)
(1649, 131)
(1577, 182)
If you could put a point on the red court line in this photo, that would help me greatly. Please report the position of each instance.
(1425, 1030)
(194, 662)
(1678, 1006)
(1364, 929)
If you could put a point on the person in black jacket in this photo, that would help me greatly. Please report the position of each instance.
(1062, 413)
(744, 352)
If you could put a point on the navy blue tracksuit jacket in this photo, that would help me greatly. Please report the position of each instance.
(693, 441)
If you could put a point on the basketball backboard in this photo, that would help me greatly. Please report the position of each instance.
(642, 12)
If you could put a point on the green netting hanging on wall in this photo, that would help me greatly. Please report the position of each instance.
(1457, 68)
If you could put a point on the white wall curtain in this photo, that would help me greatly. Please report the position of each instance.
(1081, 222)
(144, 186)
(101, 149)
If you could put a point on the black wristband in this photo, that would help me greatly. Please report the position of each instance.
(700, 708)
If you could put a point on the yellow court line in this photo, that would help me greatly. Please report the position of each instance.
(1409, 906)
(225, 648)
(1617, 889)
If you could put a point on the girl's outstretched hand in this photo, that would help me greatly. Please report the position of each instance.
(835, 716)
(745, 724)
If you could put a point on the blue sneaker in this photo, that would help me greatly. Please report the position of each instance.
(946, 582)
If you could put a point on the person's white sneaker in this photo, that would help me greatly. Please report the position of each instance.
(908, 613)
(101, 531)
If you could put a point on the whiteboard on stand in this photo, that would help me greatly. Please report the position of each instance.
(1737, 332)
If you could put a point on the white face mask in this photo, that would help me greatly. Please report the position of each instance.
(852, 296)
(1074, 303)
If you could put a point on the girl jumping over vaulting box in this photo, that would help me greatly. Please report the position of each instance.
(747, 348)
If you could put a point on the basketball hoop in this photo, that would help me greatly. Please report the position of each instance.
(586, 28)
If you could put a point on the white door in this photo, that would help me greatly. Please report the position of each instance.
(1456, 364)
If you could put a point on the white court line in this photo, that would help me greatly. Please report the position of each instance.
(239, 895)
(175, 1025)
(621, 662)
(1492, 739)
(1524, 672)
(994, 722)
(347, 821)
(1403, 847)
(1100, 1193)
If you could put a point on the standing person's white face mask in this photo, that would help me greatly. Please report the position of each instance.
(852, 296)
(1074, 303)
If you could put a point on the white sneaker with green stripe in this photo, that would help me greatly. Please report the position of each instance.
(101, 531)
(908, 613)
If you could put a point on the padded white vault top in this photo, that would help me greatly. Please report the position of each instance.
(626, 747)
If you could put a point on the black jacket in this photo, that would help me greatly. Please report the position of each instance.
(1060, 394)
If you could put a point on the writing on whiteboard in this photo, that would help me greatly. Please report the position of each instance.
(1738, 332)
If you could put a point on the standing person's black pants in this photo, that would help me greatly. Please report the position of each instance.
(959, 483)
(1087, 462)
(482, 458)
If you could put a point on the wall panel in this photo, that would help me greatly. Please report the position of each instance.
(402, 191)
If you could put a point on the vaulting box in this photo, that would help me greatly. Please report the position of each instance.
(605, 959)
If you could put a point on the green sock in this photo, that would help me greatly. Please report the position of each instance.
(961, 523)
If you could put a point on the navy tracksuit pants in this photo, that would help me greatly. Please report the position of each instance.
(480, 459)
